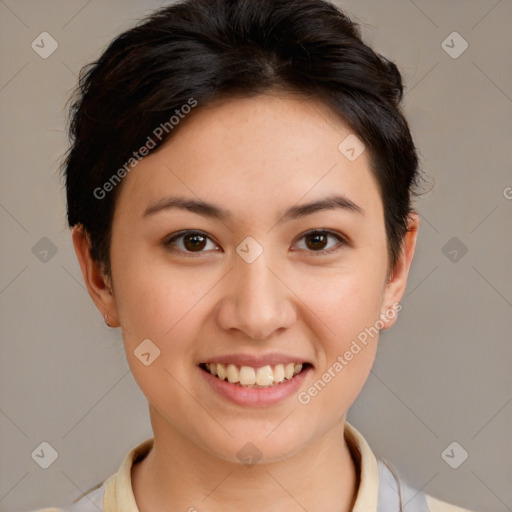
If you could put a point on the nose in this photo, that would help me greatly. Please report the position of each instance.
(257, 301)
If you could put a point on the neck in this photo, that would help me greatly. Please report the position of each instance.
(179, 475)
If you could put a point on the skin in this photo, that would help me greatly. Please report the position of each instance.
(255, 157)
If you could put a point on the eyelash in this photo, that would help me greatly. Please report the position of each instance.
(168, 243)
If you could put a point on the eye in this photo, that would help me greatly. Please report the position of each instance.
(316, 241)
(188, 242)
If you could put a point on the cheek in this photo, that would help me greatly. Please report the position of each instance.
(345, 301)
(346, 307)
(151, 295)
(163, 304)
(161, 313)
(347, 347)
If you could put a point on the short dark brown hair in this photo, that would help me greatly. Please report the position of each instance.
(210, 49)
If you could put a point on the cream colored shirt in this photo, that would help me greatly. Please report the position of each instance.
(380, 489)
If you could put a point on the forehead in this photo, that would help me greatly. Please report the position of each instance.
(253, 155)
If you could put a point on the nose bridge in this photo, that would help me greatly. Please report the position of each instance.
(256, 301)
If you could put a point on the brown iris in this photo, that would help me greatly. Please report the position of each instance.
(316, 241)
(194, 242)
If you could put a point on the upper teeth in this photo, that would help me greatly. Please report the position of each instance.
(249, 376)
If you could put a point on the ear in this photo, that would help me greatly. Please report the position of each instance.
(395, 287)
(97, 282)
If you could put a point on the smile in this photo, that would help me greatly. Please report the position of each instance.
(250, 377)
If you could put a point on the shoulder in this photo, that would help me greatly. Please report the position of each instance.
(47, 510)
(90, 501)
(114, 493)
(435, 505)
(396, 494)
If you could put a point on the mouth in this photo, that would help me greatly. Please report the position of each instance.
(267, 376)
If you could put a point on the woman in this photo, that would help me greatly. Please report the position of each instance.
(239, 189)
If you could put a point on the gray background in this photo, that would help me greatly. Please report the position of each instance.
(442, 373)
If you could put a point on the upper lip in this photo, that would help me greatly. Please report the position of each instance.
(256, 361)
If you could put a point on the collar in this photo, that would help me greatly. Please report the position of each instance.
(119, 493)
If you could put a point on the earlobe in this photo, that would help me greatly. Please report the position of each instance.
(397, 283)
(97, 282)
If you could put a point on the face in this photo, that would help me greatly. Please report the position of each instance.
(284, 265)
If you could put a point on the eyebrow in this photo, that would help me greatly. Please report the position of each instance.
(206, 209)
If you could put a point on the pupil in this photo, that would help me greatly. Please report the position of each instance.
(198, 242)
(319, 241)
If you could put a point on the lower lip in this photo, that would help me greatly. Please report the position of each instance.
(256, 397)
